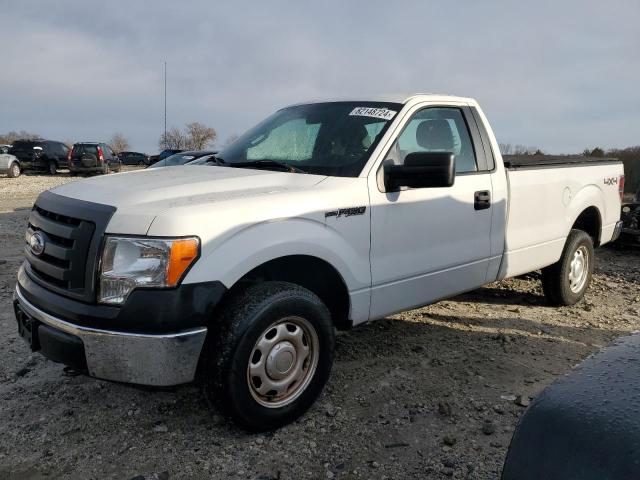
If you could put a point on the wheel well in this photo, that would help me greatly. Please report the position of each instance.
(311, 273)
(589, 222)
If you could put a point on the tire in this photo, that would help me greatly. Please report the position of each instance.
(14, 170)
(260, 331)
(565, 282)
(107, 168)
(52, 168)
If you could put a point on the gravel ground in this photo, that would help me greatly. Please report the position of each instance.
(431, 393)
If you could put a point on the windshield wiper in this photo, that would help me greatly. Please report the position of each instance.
(268, 163)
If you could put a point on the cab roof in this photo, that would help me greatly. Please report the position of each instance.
(402, 98)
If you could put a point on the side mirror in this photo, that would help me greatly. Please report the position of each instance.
(421, 170)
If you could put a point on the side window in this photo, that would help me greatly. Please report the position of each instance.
(441, 129)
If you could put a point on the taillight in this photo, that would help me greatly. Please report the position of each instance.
(621, 186)
(100, 155)
(69, 154)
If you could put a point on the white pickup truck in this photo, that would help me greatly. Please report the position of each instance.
(322, 217)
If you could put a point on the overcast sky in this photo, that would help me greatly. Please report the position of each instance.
(561, 75)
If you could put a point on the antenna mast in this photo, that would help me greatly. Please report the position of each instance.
(165, 104)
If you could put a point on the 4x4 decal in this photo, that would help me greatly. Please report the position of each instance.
(611, 181)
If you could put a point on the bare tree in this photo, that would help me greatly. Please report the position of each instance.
(174, 139)
(10, 137)
(230, 139)
(519, 150)
(506, 148)
(596, 152)
(199, 136)
(119, 143)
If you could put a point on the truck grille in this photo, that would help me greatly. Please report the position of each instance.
(71, 231)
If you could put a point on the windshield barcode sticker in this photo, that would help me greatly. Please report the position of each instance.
(382, 113)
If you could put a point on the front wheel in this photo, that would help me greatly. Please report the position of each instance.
(14, 170)
(566, 281)
(270, 355)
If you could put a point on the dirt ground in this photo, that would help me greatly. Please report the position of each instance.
(425, 394)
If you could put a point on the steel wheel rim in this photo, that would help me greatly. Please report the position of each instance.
(282, 362)
(579, 269)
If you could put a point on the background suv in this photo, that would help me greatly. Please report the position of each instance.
(92, 157)
(133, 158)
(47, 155)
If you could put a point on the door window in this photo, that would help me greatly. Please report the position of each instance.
(441, 129)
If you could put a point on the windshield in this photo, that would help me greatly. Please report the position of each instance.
(177, 159)
(323, 138)
(203, 160)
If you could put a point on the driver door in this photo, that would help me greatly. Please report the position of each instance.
(430, 243)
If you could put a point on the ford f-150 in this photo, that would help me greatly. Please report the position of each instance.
(322, 217)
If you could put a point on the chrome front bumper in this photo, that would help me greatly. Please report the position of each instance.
(158, 360)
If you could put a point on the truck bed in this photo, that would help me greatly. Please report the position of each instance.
(513, 162)
(546, 198)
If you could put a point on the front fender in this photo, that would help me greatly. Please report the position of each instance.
(259, 243)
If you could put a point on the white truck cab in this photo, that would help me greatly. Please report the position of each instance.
(325, 215)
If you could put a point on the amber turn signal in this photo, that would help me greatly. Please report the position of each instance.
(183, 253)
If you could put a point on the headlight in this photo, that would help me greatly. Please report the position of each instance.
(128, 263)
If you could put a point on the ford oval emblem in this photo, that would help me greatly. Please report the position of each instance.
(36, 242)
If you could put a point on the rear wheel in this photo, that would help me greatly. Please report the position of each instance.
(52, 168)
(271, 355)
(566, 281)
(141, 163)
(14, 170)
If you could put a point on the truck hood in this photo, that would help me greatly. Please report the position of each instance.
(140, 196)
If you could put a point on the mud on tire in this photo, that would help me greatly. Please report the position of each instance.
(268, 335)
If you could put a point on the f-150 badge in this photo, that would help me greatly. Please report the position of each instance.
(346, 212)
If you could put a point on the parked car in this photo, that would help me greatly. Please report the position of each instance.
(42, 155)
(322, 217)
(9, 164)
(211, 158)
(586, 425)
(93, 157)
(181, 158)
(134, 158)
(164, 154)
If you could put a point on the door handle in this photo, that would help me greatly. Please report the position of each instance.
(482, 200)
